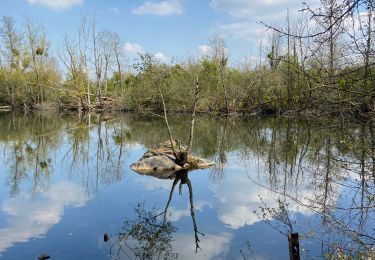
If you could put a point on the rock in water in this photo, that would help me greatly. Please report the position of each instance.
(162, 163)
(155, 163)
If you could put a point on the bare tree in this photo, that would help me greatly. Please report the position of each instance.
(302, 28)
(275, 43)
(219, 55)
(106, 42)
(37, 48)
(83, 38)
(289, 83)
(12, 41)
(192, 122)
(98, 61)
(362, 44)
(118, 52)
(73, 63)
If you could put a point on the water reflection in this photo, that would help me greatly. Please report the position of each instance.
(151, 233)
(322, 172)
(182, 177)
(28, 219)
(145, 237)
(328, 174)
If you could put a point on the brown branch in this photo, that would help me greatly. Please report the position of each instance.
(336, 21)
(192, 124)
(196, 232)
(166, 122)
(175, 181)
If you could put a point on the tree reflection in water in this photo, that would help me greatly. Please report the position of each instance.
(149, 236)
(182, 177)
(323, 168)
(146, 237)
(328, 174)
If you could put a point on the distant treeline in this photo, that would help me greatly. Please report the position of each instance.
(320, 64)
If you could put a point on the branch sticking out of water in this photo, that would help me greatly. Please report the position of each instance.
(192, 124)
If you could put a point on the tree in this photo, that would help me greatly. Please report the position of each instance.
(274, 55)
(106, 42)
(12, 41)
(83, 38)
(98, 60)
(37, 48)
(118, 52)
(218, 53)
(76, 73)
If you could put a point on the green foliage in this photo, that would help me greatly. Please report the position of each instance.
(29, 77)
(39, 51)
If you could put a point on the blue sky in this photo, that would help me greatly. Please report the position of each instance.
(168, 28)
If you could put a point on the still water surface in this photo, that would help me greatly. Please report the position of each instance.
(65, 181)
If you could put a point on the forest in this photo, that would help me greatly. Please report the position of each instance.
(319, 63)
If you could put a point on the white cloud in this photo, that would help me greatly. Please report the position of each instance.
(204, 49)
(175, 215)
(133, 48)
(168, 7)
(160, 56)
(32, 219)
(248, 15)
(253, 32)
(57, 4)
(151, 183)
(238, 197)
(245, 8)
(236, 204)
(114, 10)
(213, 246)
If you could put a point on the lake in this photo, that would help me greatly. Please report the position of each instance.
(66, 186)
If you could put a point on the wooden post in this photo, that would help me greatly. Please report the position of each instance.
(293, 246)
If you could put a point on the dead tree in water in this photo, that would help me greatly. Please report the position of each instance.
(192, 124)
(157, 76)
(167, 124)
(181, 155)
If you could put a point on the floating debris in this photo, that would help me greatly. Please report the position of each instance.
(106, 237)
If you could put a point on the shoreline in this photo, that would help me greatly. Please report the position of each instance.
(255, 113)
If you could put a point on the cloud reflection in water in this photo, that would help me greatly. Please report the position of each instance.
(32, 219)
